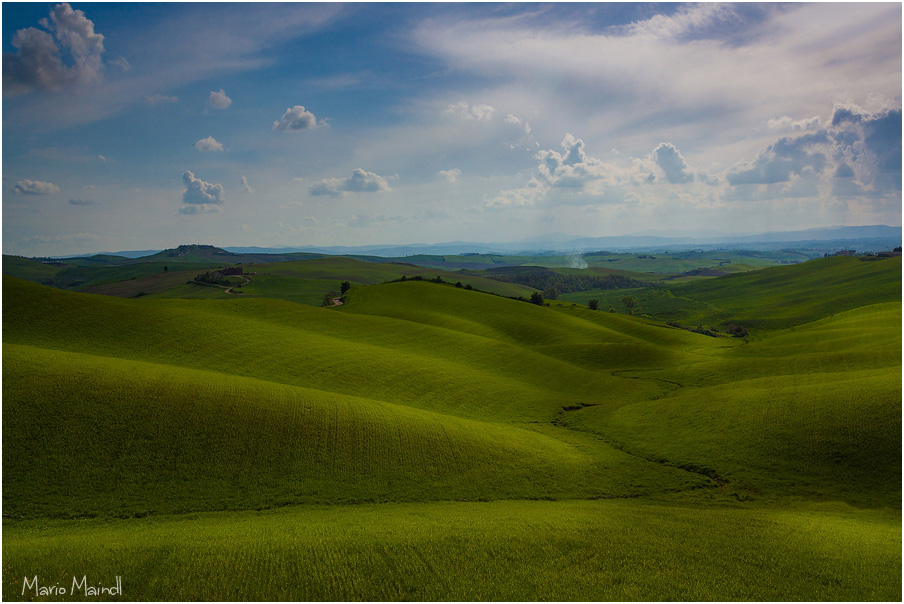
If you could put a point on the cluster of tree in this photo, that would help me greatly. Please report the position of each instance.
(553, 284)
(212, 278)
(736, 330)
(437, 279)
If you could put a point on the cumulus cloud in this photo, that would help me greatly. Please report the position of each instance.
(463, 110)
(669, 159)
(219, 100)
(209, 144)
(159, 98)
(294, 119)
(783, 159)
(450, 175)
(572, 177)
(38, 62)
(245, 186)
(517, 121)
(854, 145)
(35, 187)
(199, 196)
(571, 168)
(359, 182)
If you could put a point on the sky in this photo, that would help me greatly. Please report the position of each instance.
(146, 126)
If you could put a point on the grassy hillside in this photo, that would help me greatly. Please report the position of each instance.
(485, 428)
(781, 297)
(620, 550)
(31, 270)
(302, 281)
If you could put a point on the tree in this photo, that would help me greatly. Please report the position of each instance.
(165, 268)
(628, 301)
(594, 304)
(345, 287)
(536, 298)
(551, 293)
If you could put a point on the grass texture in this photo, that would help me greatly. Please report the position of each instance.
(425, 442)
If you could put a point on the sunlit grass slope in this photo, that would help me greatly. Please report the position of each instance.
(357, 272)
(96, 436)
(375, 357)
(810, 412)
(765, 468)
(616, 341)
(497, 551)
(256, 374)
(782, 297)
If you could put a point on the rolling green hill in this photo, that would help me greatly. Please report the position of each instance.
(430, 442)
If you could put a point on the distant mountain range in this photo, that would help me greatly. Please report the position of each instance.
(861, 238)
(869, 238)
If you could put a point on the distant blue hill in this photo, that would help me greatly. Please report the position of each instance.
(873, 238)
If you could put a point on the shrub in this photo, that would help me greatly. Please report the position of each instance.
(536, 298)
(736, 330)
(593, 304)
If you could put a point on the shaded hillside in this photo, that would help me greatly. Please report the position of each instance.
(560, 281)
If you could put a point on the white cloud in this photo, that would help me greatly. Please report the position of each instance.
(294, 119)
(517, 121)
(122, 63)
(38, 62)
(450, 175)
(199, 196)
(245, 186)
(82, 202)
(463, 110)
(669, 159)
(520, 197)
(786, 123)
(735, 65)
(209, 144)
(191, 210)
(35, 187)
(219, 100)
(156, 99)
(359, 182)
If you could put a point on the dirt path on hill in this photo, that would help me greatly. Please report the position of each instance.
(247, 281)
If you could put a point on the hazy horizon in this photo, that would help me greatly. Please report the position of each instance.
(138, 126)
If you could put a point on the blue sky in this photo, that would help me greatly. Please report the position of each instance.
(144, 126)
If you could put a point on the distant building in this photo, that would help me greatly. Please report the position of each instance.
(845, 253)
(232, 270)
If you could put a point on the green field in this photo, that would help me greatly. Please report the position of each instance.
(428, 442)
